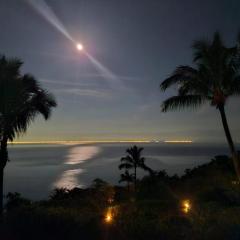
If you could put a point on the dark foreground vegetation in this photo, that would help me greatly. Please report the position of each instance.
(204, 203)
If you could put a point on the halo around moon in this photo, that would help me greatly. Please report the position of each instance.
(79, 47)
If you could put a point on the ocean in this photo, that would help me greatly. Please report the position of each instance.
(35, 170)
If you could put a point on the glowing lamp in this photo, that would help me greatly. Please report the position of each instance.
(108, 218)
(186, 206)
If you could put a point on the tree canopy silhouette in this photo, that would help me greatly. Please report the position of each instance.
(134, 160)
(21, 100)
(126, 177)
(214, 78)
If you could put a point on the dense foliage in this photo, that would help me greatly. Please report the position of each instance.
(154, 211)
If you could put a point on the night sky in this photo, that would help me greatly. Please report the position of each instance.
(141, 42)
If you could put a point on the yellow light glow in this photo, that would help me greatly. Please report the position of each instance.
(235, 182)
(79, 47)
(108, 218)
(186, 206)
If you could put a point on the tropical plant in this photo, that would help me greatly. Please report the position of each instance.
(134, 160)
(59, 194)
(126, 177)
(15, 200)
(102, 192)
(21, 100)
(214, 78)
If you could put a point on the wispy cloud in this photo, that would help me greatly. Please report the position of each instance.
(84, 76)
(87, 89)
(65, 83)
(95, 85)
(93, 88)
(86, 92)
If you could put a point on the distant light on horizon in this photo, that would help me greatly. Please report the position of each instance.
(178, 141)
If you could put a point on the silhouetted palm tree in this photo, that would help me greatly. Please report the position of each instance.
(134, 160)
(21, 100)
(214, 79)
(126, 177)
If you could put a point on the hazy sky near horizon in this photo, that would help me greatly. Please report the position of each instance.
(141, 42)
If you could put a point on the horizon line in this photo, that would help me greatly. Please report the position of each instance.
(100, 141)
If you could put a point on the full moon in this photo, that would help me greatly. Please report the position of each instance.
(79, 47)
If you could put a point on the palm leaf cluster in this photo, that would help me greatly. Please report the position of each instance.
(214, 77)
(21, 99)
(126, 177)
(133, 160)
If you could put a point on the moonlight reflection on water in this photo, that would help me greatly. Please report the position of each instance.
(81, 153)
(69, 179)
(77, 155)
(44, 167)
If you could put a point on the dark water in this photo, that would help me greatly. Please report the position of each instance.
(36, 169)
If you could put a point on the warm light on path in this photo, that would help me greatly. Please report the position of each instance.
(186, 206)
(108, 218)
(110, 214)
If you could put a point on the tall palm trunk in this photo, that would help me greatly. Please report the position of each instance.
(234, 153)
(3, 162)
(135, 177)
(128, 186)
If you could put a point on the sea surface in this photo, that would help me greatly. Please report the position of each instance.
(34, 170)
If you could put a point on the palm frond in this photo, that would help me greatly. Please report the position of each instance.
(30, 84)
(234, 88)
(43, 103)
(217, 39)
(21, 99)
(201, 49)
(127, 159)
(126, 177)
(181, 74)
(125, 165)
(146, 168)
(180, 102)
